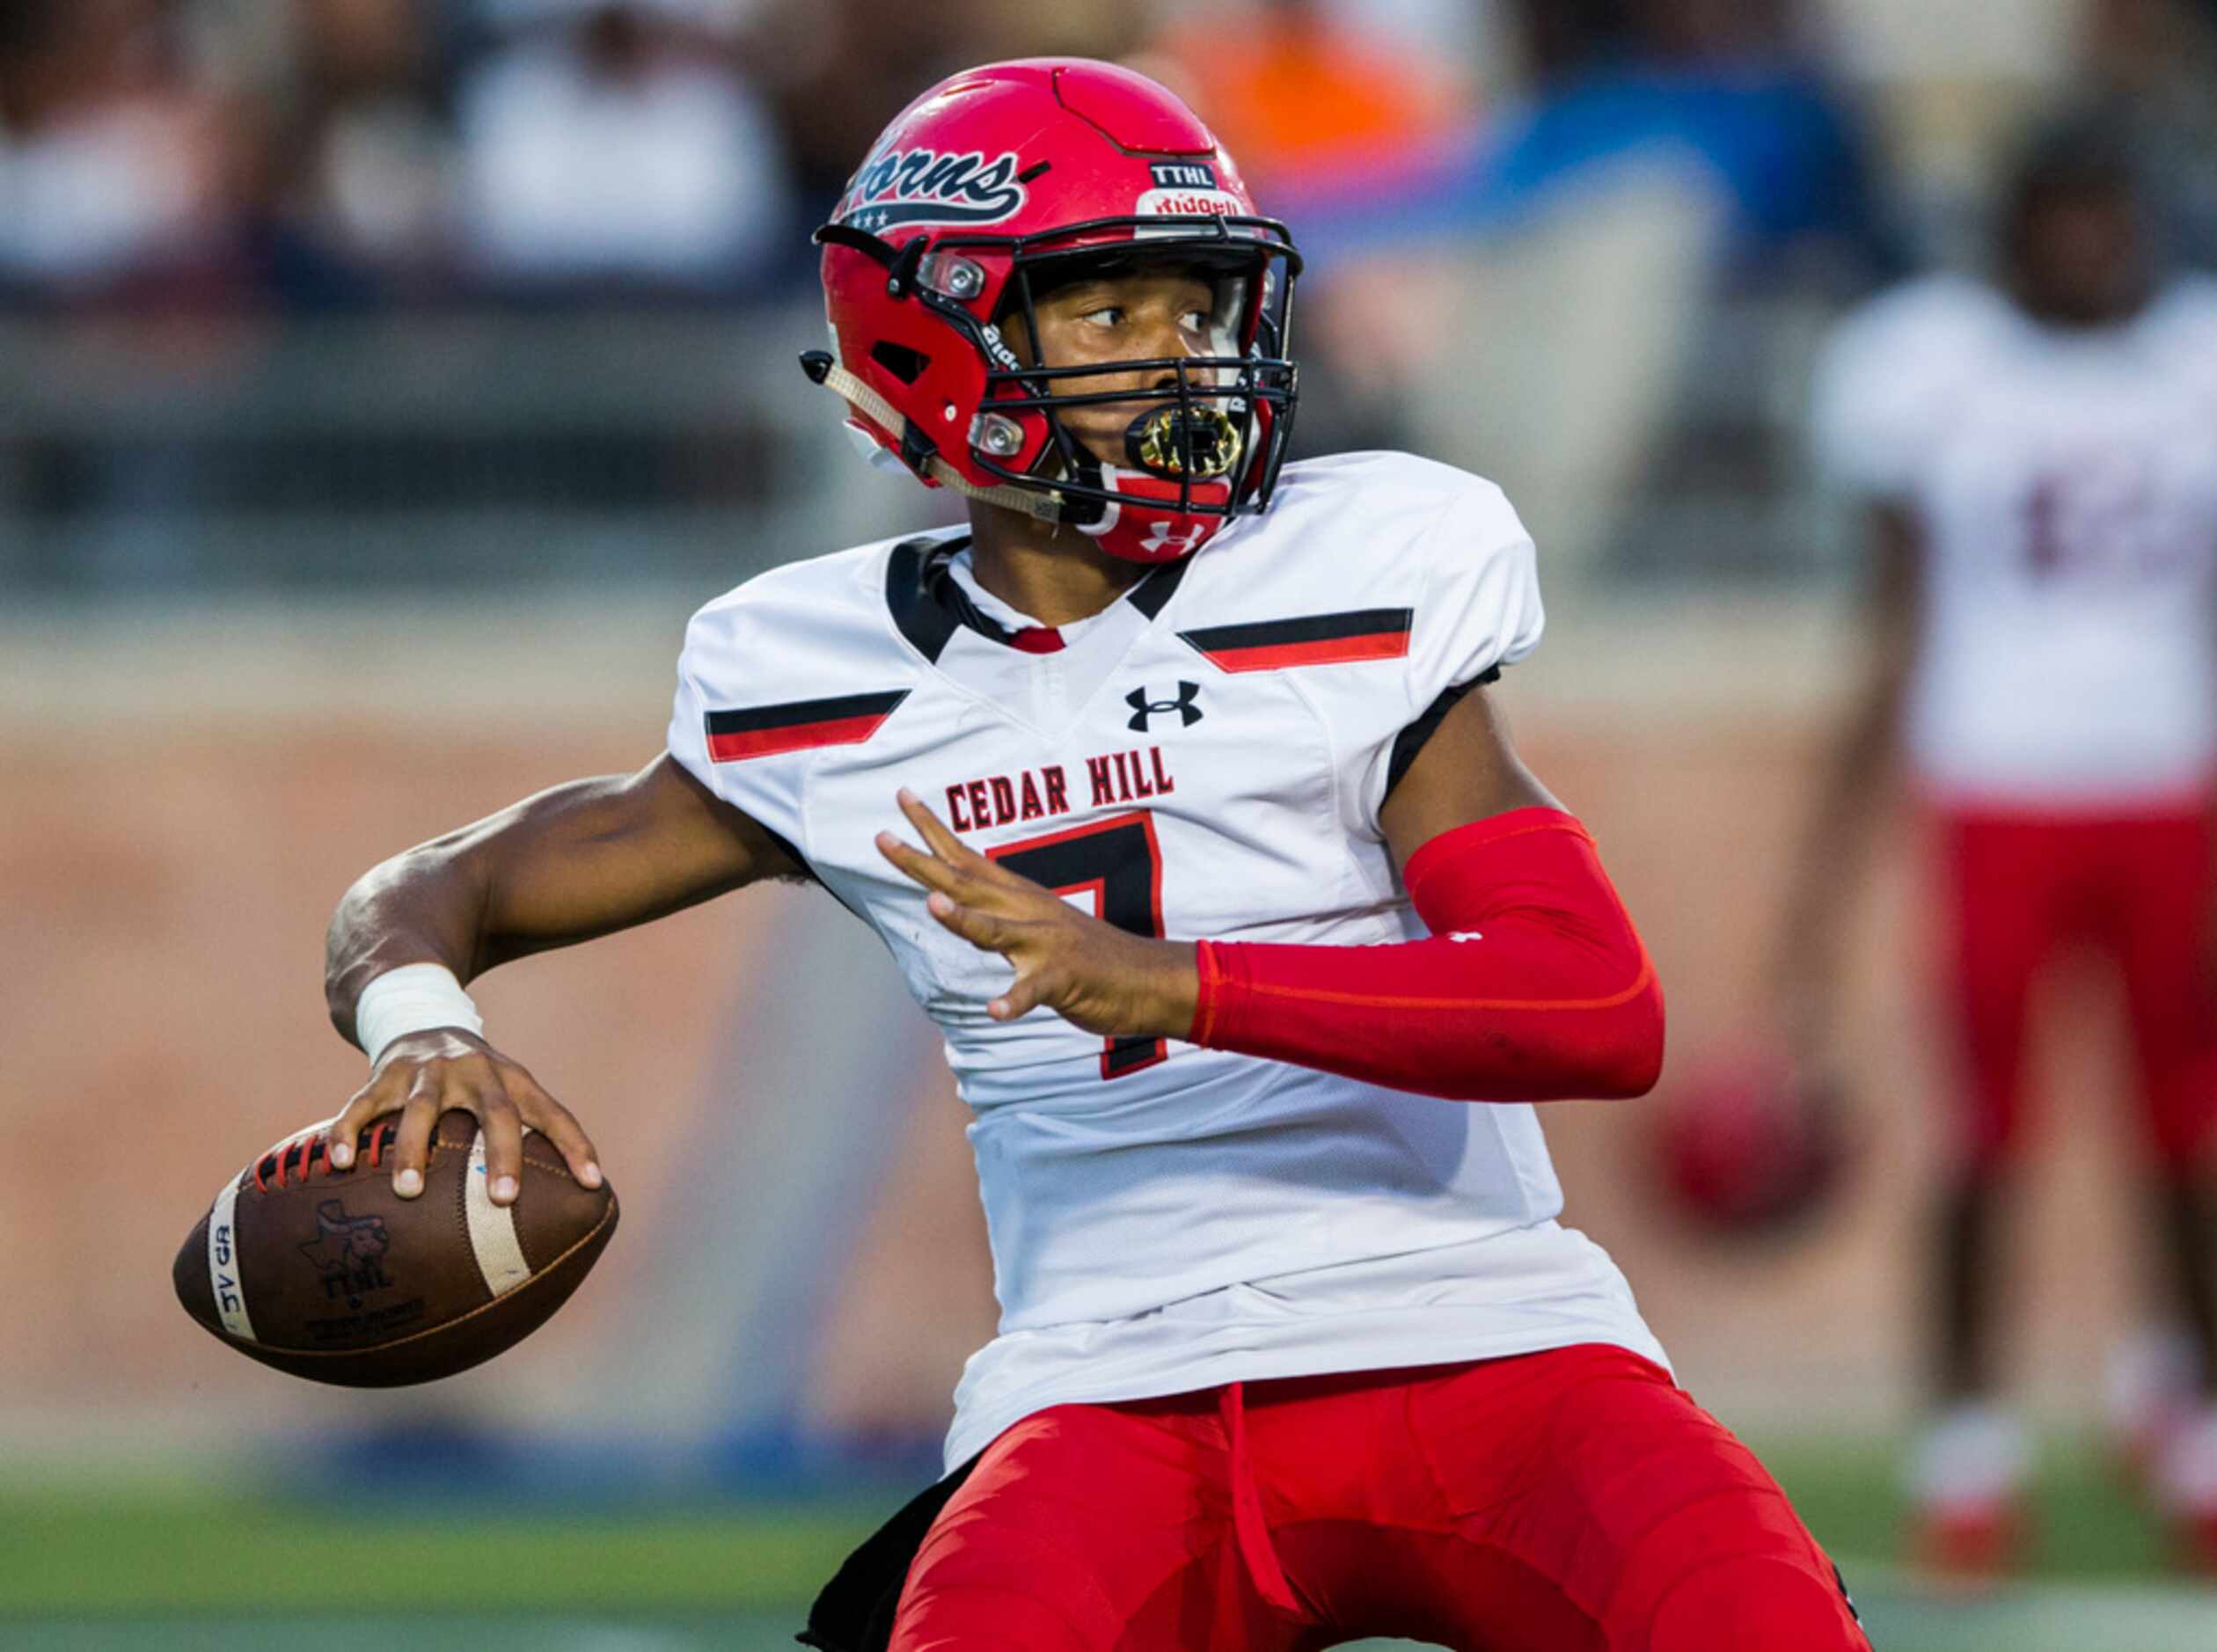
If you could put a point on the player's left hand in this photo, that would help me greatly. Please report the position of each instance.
(1093, 975)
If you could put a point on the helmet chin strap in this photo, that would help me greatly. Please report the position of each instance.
(872, 406)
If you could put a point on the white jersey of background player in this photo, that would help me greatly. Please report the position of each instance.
(1237, 717)
(2065, 481)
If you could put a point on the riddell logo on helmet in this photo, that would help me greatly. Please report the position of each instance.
(1187, 203)
(925, 186)
(997, 349)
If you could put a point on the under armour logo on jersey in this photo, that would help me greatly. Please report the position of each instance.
(1143, 708)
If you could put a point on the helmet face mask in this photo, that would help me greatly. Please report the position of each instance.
(995, 189)
(1199, 413)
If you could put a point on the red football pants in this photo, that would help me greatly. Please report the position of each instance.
(2136, 887)
(1570, 1500)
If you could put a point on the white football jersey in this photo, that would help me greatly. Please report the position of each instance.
(2065, 482)
(1206, 757)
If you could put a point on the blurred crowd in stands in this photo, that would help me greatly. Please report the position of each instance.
(1627, 219)
(320, 154)
(310, 155)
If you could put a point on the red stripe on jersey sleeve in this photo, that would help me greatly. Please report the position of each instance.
(769, 742)
(765, 731)
(1381, 645)
(1272, 644)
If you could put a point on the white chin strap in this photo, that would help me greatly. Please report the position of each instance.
(882, 413)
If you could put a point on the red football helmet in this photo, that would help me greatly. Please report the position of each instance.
(990, 186)
(1746, 1145)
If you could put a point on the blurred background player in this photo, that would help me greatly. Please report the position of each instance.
(2037, 454)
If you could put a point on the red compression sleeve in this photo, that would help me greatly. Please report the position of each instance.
(1532, 987)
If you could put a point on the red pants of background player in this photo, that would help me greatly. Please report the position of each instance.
(1565, 1502)
(2136, 887)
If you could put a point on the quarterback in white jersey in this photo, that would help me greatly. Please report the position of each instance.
(1208, 756)
(2038, 458)
(1172, 785)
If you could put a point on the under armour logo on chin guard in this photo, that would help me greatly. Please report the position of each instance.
(1143, 708)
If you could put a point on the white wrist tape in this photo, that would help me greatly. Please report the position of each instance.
(414, 999)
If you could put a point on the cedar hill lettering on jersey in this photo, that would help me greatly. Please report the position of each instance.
(1001, 800)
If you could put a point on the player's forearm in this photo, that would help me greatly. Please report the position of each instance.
(1534, 986)
(545, 873)
(424, 906)
(576, 861)
(1852, 795)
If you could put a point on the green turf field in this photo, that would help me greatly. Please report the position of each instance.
(126, 1571)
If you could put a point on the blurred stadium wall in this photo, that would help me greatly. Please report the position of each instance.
(296, 572)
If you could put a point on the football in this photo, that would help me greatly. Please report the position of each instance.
(330, 1275)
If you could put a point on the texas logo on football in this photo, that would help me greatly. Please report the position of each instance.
(349, 1252)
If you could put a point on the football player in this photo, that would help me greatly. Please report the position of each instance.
(2038, 456)
(1172, 783)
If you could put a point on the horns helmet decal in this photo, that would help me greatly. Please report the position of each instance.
(902, 187)
(1000, 183)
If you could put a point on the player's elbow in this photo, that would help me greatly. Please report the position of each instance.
(1608, 1050)
(1629, 1054)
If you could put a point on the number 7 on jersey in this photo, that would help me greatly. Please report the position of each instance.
(1118, 863)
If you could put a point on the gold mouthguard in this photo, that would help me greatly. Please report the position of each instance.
(1167, 439)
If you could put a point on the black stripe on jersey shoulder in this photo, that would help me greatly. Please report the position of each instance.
(1269, 633)
(755, 719)
(927, 623)
(1153, 594)
(1413, 739)
(929, 607)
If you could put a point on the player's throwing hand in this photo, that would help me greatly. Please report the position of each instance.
(1093, 975)
(446, 1069)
